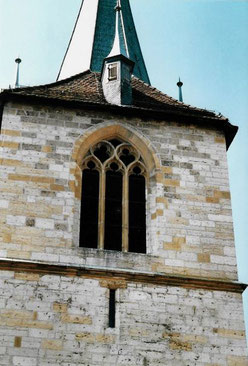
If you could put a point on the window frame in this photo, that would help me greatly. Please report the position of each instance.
(111, 67)
(127, 170)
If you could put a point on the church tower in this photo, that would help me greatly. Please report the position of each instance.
(116, 235)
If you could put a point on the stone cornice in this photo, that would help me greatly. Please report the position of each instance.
(111, 274)
(171, 113)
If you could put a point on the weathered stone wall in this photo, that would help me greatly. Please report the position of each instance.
(52, 320)
(61, 320)
(189, 221)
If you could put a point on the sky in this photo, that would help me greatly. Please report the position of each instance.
(202, 41)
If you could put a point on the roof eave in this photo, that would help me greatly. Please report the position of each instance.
(181, 115)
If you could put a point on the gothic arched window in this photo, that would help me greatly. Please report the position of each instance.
(113, 203)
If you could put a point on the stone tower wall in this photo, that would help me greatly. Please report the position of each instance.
(54, 305)
(189, 220)
(58, 320)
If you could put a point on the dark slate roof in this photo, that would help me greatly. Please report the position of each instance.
(85, 89)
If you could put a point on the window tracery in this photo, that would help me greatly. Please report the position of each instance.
(113, 198)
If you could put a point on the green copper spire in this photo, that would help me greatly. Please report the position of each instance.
(93, 36)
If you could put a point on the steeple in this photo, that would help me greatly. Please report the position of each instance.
(92, 39)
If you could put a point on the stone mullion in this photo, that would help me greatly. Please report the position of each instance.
(101, 208)
(125, 213)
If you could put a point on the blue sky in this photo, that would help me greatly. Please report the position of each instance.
(202, 41)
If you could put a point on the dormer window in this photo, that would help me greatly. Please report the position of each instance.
(112, 71)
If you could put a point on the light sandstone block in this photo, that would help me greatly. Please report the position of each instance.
(237, 361)
(76, 319)
(52, 344)
(60, 307)
(230, 333)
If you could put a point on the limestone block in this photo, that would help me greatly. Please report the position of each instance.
(44, 223)
(24, 361)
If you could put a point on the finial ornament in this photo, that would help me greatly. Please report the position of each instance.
(17, 61)
(118, 5)
(180, 84)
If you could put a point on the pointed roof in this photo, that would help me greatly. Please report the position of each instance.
(93, 36)
(120, 46)
(85, 91)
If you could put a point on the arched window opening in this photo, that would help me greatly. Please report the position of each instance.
(137, 210)
(113, 209)
(113, 205)
(89, 206)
